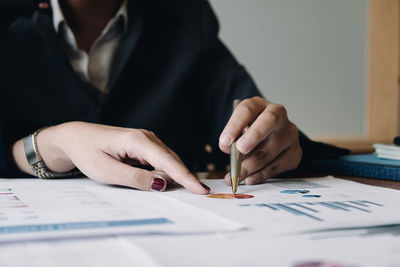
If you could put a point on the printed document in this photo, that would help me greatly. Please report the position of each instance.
(39, 208)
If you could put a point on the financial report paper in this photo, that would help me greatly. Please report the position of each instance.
(289, 222)
(292, 206)
(38, 209)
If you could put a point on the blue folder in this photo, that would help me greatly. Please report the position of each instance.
(364, 165)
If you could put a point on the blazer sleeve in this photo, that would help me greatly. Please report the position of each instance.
(3, 99)
(225, 80)
(3, 165)
(11, 128)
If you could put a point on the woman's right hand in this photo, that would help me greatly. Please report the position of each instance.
(102, 153)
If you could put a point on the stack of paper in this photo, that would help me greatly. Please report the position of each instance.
(387, 151)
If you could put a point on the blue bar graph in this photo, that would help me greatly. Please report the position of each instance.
(311, 209)
(295, 211)
(370, 202)
(358, 203)
(80, 225)
(303, 206)
(331, 206)
(349, 206)
(266, 205)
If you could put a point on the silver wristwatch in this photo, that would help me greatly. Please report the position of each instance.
(36, 162)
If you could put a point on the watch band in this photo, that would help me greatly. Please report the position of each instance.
(36, 162)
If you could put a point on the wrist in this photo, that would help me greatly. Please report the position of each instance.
(49, 143)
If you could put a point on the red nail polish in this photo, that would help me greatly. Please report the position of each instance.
(158, 184)
(205, 186)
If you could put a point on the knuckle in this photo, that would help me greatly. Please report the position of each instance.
(272, 170)
(260, 176)
(273, 117)
(269, 171)
(293, 126)
(151, 134)
(261, 155)
(293, 129)
(256, 136)
(135, 139)
(247, 101)
(246, 107)
(135, 134)
(132, 177)
(257, 98)
(280, 110)
(136, 180)
(280, 107)
(253, 101)
(146, 133)
(141, 136)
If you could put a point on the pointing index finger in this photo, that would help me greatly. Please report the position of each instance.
(170, 163)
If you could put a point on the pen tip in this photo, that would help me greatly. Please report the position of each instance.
(235, 182)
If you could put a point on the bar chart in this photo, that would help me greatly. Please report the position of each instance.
(315, 210)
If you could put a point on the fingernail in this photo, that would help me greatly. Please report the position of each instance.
(158, 184)
(227, 179)
(205, 186)
(226, 139)
(242, 146)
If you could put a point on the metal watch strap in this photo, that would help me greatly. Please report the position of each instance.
(36, 162)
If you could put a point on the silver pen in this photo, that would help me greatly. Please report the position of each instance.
(236, 159)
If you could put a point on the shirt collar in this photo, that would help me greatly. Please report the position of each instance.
(58, 17)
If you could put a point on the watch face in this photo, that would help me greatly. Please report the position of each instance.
(29, 150)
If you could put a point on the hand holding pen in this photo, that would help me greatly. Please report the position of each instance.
(269, 146)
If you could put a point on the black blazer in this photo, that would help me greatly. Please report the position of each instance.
(172, 76)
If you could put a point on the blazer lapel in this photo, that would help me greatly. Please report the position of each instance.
(49, 56)
(48, 53)
(131, 37)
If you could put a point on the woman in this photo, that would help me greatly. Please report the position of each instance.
(113, 78)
